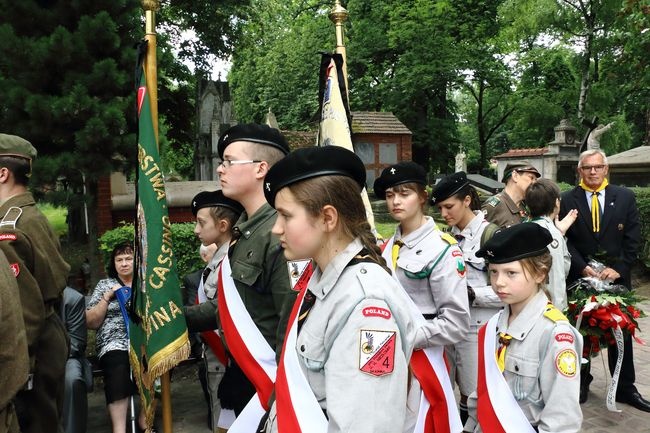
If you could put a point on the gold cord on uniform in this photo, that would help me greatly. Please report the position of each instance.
(504, 340)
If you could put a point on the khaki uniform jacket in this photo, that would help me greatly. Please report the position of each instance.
(259, 270)
(331, 343)
(14, 361)
(542, 368)
(501, 210)
(432, 271)
(34, 253)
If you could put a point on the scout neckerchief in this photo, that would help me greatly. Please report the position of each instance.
(211, 338)
(595, 204)
(504, 340)
(249, 348)
(498, 411)
(394, 251)
(297, 408)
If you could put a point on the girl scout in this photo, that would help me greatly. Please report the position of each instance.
(344, 364)
(427, 262)
(528, 377)
(460, 207)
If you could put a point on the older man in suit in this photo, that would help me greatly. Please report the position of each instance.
(608, 227)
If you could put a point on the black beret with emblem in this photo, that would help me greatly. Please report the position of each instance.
(310, 162)
(515, 243)
(397, 174)
(448, 186)
(213, 199)
(262, 134)
(519, 167)
(12, 145)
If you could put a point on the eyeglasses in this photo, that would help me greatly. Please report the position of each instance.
(227, 163)
(597, 168)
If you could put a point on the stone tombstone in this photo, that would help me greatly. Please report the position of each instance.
(461, 162)
(593, 141)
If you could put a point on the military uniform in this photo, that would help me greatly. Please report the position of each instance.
(356, 305)
(34, 254)
(542, 367)
(501, 210)
(14, 360)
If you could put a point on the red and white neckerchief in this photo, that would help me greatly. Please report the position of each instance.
(248, 347)
(498, 411)
(437, 413)
(211, 338)
(297, 409)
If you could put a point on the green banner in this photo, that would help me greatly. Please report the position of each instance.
(158, 334)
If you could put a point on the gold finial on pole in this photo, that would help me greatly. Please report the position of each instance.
(338, 15)
(150, 65)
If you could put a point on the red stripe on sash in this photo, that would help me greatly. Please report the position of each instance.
(287, 420)
(251, 368)
(487, 418)
(437, 418)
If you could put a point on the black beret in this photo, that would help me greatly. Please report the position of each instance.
(262, 134)
(213, 199)
(515, 243)
(519, 167)
(309, 162)
(13, 145)
(397, 174)
(448, 186)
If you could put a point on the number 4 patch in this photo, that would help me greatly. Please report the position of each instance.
(377, 352)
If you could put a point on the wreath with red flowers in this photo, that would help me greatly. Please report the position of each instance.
(602, 309)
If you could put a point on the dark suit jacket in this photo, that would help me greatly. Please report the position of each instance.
(73, 315)
(619, 237)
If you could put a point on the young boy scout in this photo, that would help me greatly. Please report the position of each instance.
(34, 255)
(259, 269)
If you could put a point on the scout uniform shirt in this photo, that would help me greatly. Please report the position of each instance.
(501, 210)
(486, 302)
(542, 367)
(560, 265)
(359, 312)
(430, 268)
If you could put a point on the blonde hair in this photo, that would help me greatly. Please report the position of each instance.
(538, 266)
(342, 193)
(419, 189)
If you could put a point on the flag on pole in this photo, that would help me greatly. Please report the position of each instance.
(334, 128)
(158, 333)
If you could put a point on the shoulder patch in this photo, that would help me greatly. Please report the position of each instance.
(377, 352)
(564, 336)
(7, 237)
(566, 362)
(493, 201)
(15, 268)
(376, 312)
(553, 314)
(448, 238)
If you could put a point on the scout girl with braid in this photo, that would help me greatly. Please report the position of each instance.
(529, 363)
(344, 364)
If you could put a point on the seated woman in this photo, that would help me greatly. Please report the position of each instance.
(103, 313)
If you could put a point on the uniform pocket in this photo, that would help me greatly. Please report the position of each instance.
(525, 373)
(246, 273)
(312, 350)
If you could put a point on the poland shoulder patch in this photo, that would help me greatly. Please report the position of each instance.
(377, 352)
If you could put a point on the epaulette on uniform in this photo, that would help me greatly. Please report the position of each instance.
(10, 219)
(553, 314)
(493, 201)
(448, 238)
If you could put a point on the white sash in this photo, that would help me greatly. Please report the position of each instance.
(253, 342)
(506, 408)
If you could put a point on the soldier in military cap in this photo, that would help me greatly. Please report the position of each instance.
(259, 270)
(508, 208)
(14, 360)
(529, 354)
(34, 254)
